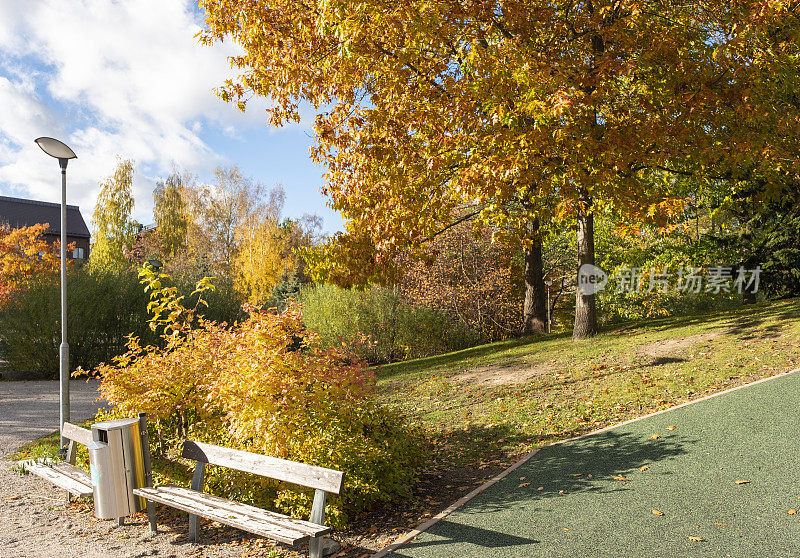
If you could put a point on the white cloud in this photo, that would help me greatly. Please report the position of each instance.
(109, 78)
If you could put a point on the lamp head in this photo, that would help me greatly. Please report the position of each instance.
(56, 149)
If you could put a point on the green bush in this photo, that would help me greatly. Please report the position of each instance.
(376, 326)
(102, 310)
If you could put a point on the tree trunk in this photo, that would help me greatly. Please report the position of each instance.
(585, 309)
(535, 308)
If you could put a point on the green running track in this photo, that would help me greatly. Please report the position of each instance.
(750, 434)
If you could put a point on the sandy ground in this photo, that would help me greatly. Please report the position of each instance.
(34, 521)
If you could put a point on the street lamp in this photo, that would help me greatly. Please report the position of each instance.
(56, 149)
(548, 283)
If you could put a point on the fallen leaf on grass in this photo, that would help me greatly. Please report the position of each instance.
(655, 436)
(696, 539)
(720, 524)
(792, 512)
(644, 467)
(742, 482)
(621, 478)
(566, 529)
(671, 427)
(524, 484)
(656, 512)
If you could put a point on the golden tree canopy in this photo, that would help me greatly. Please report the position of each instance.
(516, 108)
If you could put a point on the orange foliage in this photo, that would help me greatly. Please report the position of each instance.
(263, 385)
(470, 278)
(25, 257)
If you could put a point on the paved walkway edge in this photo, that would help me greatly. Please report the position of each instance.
(453, 507)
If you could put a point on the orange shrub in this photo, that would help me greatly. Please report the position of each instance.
(264, 385)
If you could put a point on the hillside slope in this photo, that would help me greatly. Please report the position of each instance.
(494, 401)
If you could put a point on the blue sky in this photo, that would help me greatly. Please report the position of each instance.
(115, 78)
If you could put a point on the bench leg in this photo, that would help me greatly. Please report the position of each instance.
(148, 471)
(193, 520)
(315, 547)
(151, 516)
(318, 517)
(72, 452)
(197, 484)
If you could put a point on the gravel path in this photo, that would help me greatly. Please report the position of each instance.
(34, 522)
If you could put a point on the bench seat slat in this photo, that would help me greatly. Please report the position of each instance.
(304, 527)
(255, 520)
(72, 472)
(78, 487)
(303, 474)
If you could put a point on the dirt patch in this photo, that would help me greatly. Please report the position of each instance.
(496, 375)
(675, 347)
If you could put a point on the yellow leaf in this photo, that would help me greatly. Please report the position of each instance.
(792, 512)
(566, 529)
(742, 482)
(524, 484)
(655, 436)
(656, 512)
(720, 523)
(696, 539)
(671, 427)
(644, 467)
(621, 478)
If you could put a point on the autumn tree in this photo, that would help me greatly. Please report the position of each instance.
(267, 249)
(114, 230)
(169, 213)
(496, 108)
(217, 213)
(25, 257)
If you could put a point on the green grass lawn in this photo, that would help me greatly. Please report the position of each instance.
(487, 402)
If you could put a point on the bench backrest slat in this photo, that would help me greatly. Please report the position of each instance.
(266, 466)
(80, 435)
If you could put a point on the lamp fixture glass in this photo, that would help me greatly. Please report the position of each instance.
(55, 148)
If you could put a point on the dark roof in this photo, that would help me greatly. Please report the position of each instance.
(18, 212)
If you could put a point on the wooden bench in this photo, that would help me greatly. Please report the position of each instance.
(64, 474)
(248, 518)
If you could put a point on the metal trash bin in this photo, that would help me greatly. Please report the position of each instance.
(116, 462)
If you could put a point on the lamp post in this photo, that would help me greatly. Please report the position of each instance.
(56, 149)
(548, 283)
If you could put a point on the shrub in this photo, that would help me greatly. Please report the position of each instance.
(265, 385)
(472, 277)
(102, 310)
(375, 325)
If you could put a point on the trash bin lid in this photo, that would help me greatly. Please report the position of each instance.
(114, 424)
